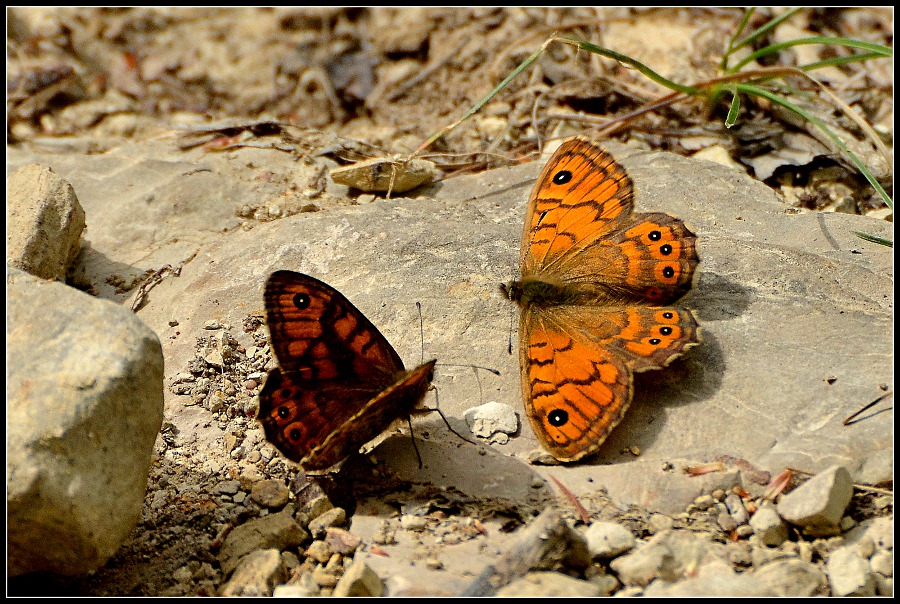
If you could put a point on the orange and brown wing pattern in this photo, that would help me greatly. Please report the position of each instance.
(659, 254)
(318, 425)
(298, 415)
(650, 259)
(580, 230)
(643, 337)
(319, 334)
(581, 195)
(395, 402)
(595, 282)
(575, 392)
(340, 382)
(578, 362)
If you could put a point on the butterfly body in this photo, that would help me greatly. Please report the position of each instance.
(595, 293)
(339, 383)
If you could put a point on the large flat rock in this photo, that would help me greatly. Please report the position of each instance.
(796, 310)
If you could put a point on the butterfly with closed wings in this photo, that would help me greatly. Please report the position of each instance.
(339, 383)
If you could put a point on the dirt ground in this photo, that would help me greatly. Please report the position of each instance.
(390, 78)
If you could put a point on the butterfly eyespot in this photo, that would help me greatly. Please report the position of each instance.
(654, 235)
(295, 434)
(558, 418)
(665, 250)
(668, 272)
(666, 331)
(655, 341)
(668, 315)
(284, 412)
(301, 300)
(562, 177)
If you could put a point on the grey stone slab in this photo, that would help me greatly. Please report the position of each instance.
(796, 312)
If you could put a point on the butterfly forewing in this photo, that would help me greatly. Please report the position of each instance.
(317, 332)
(378, 413)
(580, 231)
(581, 195)
(318, 425)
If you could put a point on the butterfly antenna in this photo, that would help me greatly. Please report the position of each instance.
(413, 439)
(478, 381)
(488, 369)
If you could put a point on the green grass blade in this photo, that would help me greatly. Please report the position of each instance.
(750, 89)
(629, 61)
(766, 28)
(874, 239)
(834, 61)
(745, 19)
(522, 66)
(733, 111)
(848, 42)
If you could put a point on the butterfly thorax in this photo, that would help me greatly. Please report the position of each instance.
(534, 290)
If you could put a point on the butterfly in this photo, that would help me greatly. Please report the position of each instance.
(339, 383)
(595, 293)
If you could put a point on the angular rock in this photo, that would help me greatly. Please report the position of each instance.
(332, 517)
(84, 407)
(820, 501)
(359, 580)
(256, 575)
(270, 493)
(668, 556)
(792, 577)
(723, 584)
(849, 574)
(490, 418)
(277, 531)
(44, 222)
(608, 539)
(549, 584)
(769, 526)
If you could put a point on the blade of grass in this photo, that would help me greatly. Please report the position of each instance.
(758, 76)
(629, 61)
(741, 26)
(522, 66)
(878, 49)
(733, 111)
(834, 61)
(752, 37)
(874, 239)
(756, 90)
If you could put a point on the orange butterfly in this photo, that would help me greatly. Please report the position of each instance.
(595, 283)
(340, 383)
